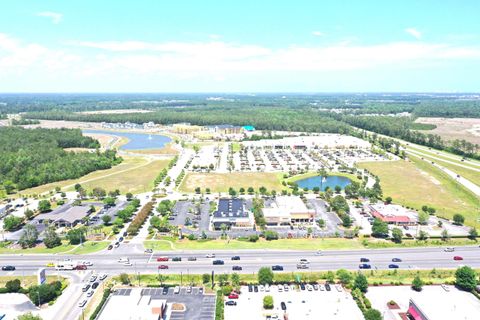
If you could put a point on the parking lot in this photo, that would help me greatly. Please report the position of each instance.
(197, 216)
(300, 304)
(199, 306)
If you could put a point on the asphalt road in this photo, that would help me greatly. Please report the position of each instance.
(252, 260)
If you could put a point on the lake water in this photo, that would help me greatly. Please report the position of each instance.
(330, 181)
(137, 141)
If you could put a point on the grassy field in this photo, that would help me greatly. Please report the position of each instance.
(27, 281)
(220, 182)
(418, 183)
(286, 244)
(445, 156)
(88, 247)
(470, 174)
(134, 174)
(167, 150)
(236, 147)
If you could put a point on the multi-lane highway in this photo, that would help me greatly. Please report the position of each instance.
(252, 260)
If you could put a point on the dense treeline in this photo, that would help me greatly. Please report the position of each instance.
(264, 118)
(32, 157)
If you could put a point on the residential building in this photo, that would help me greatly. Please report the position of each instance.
(232, 213)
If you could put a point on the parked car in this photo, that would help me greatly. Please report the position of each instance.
(231, 303)
(365, 266)
(148, 251)
(110, 247)
(90, 293)
(255, 288)
(233, 295)
(95, 285)
(327, 287)
(176, 290)
(302, 286)
(165, 290)
(218, 262)
(85, 288)
(457, 258)
(250, 288)
(82, 303)
(163, 266)
(277, 268)
(103, 277)
(237, 268)
(93, 278)
(283, 306)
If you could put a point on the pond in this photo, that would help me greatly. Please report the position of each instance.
(323, 183)
(137, 141)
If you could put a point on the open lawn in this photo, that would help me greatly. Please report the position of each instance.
(282, 244)
(27, 281)
(443, 155)
(418, 183)
(472, 174)
(134, 174)
(220, 182)
(88, 247)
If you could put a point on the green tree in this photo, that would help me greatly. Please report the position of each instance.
(124, 278)
(397, 235)
(466, 278)
(265, 275)
(29, 237)
(99, 193)
(129, 196)
(28, 316)
(106, 219)
(417, 283)
(44, 206)
(222, 279)
(373, 314)
(346, 221)
(11, 223)
(9, 186)
(321, 223)
(262, 190)
(361, 282)
(109, 201)
(51, 238)
(423, 218)
(28, 214)
(76, 236)
(344, 276)
(472, 233)
(235, 279)
(77, 187)
(379, 228)
(206, 277)
(445, 236)
(13, 285)
(268, 302)
(422, 235)
(338, 189)
(388, 200)
(458, 219)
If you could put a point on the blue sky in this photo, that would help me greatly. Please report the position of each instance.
(241, 46)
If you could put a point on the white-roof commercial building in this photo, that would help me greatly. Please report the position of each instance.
(324, 141)
(284, 210)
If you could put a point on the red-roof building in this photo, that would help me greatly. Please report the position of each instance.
(391, 219)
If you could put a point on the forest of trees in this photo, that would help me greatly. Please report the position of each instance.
(32, 157)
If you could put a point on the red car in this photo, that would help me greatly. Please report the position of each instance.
(457, 258)
(233, 295)
(81, 267)
(163, 266)
(162, 259)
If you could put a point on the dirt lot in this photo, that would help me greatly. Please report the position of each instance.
(455, 128)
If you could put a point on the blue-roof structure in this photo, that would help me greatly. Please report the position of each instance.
(230, 208)
(249, 128)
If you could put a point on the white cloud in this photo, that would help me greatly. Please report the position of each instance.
(414, 33)
(318, 33)
(54, 16)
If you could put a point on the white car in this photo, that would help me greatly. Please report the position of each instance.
(81, 304)
(449, 249)
(93, 278)
(304, 261)
(87, 263)
(309, 287)
(123, 260)
(90, 293)
(189, 289)
(210, 255)
(319, 252)
(176, 290)
(103, 277)
(127, 263)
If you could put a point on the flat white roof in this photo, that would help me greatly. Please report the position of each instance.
(133, 306)
(434, 301)
(291, 204)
